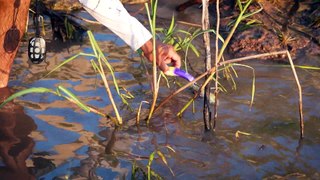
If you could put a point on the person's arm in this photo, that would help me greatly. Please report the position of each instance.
(113, 15)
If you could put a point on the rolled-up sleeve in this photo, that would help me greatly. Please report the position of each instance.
(114, 16)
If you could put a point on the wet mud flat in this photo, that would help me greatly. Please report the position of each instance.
(54, 139)
(281, 25)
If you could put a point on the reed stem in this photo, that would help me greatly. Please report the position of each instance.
(206, 39)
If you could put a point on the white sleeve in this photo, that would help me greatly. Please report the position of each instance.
(113, 15)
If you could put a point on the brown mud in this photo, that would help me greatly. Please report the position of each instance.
(282, 25)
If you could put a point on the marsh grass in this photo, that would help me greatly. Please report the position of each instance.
(155, 83)
(147, 172)
(243, 7)
(61, 92)
(139, 173)
(99, 63)
(219, 52)
(162, 157)
(182, 41)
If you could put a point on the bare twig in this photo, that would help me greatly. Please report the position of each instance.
(215, 116)
(152, 23)
(139, 110)
(252, 57)
(206, 39)
(180, 90)
(107, 87)
(300, 95)
(213, 70)
(189, 24)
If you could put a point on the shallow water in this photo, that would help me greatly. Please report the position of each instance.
(69, 143)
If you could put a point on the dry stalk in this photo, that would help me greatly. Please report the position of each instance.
(152, 23)
(189, 24)
(213, 70)
(215, 116)
(107, 87)
(206, 39)
(300, 95)
(139, 111)
(181, 89)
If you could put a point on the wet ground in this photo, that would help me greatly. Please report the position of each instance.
(46, 137)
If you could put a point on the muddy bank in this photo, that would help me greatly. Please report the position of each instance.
(279, 26)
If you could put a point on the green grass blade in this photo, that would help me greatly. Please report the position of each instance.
(171, 27)
(195, 50)
(196, 35)
(252, 13)
(101, 57)
(253, 90)
(239, 3)
(26, 91)
(185, 107)
(91, 38)
(104, 59)
(164, 160)
(305, 67)
(73, 98)
(151, 157)
(165, 78)
(184, 32)
(67, 61)
(297, 66)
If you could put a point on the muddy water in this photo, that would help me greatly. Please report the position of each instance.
(69, 143)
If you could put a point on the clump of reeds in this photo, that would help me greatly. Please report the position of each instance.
(212, 73)
(101, 65)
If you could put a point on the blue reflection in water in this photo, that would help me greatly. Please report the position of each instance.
(109, 37)
(64, 170)
(54, 136)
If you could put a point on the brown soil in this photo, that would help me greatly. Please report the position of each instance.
(70, 5)
(63, 5)
(301, 35)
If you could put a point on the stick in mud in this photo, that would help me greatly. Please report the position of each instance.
(206, 39)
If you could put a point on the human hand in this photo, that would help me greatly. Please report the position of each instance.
(165, 54)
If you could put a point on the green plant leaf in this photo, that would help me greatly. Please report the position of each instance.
(151, 157)
(253, 90)
(92, 40)
(73, 98)
(164, 160)
(67, 61)
(26, 91)
(171, 27)
(195, 50)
